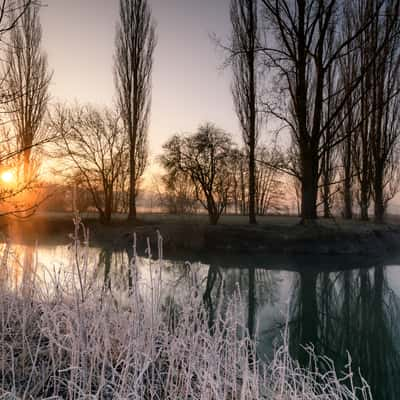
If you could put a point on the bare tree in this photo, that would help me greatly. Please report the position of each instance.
(28, 77)
(244, 87)
(135, 43)
(302, 30)
(302, 53)
(362, 151)
(327, 160)
(346, 147)
(373, 118)
(14, 200)
(347, 71)
(204, 157)
(270, 196)
(121, 203)
(94, 146)
(239, 170)
(178, 195)
(386, 105)
(11, 12)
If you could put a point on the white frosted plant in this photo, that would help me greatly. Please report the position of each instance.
(77, 342)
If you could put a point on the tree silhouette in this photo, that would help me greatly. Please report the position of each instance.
(135, 43)
(29, 78)
(243, 57)
(204, 157)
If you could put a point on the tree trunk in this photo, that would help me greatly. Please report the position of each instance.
(309, 188)
(213, 214)
(253, 117)
(213, 218)
(27, 166)
(252, 182)
(108, 205)
(326, 189)
(327, 195)
(243, 190)
(379, 206)
(364, 200)
(308, 201)
(348, 162)
(236, 195)
(347, 199)
(132, 186)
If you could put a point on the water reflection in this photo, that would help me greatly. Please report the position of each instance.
(258, 289)
(213, 276)
(18, 268)
(355, 311)
(352, 311)
(338, 313)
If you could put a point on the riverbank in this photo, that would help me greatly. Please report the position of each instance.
(272, 235)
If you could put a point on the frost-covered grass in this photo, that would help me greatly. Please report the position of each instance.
(69, 337)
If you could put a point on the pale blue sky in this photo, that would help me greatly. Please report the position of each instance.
(189, 85)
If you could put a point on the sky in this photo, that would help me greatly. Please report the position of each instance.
(190, 85)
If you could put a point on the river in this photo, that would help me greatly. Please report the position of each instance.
(342, 307)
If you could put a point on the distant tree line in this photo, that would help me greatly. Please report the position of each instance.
(212, 171)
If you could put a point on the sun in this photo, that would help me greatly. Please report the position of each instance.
(7, 176)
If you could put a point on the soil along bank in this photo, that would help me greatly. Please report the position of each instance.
(365, 240)
(310, 240)
(283, 236)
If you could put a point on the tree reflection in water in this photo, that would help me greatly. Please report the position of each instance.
(339, 313)
(351, 311)
(254, 286)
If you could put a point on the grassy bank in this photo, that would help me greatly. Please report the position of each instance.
(71, 336)
(272, 235)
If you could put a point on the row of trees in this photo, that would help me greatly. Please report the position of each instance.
(331, 73)
(330, 70)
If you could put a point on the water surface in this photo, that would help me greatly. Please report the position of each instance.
(341, 307)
